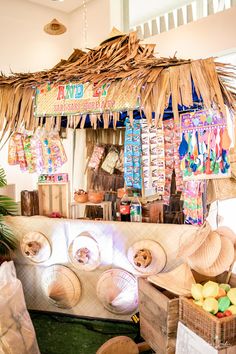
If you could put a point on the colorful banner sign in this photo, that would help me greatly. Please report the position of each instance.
(202, 120)
(74, 98)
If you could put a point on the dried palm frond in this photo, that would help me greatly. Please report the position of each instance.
(128, 67)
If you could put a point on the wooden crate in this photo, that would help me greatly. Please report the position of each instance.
(219, 333)
(54, 197)
(159, 315)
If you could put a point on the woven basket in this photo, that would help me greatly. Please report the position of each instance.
(95, 197)
(219, 333)
(81, 198)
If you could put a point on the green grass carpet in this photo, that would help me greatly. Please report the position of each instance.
(61, 334)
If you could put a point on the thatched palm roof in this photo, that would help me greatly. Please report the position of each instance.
(126, 65)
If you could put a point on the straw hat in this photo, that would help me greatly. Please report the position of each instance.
(190, 243)
(147, 256)
(118, 292)
(61, 286)
(54, 27)
(119, 344)
(223, 261)
(36, 247)
(177, 281)
(115, 33)
(227, 232)
(207, 253)
(84, 252)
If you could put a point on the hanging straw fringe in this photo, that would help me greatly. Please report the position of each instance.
(127, 66)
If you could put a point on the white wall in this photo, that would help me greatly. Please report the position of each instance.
(24, 45)
(98, 24)
(214, 35)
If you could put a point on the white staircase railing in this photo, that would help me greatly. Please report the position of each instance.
(180, 16)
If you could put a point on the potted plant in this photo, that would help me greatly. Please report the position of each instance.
(8, 206)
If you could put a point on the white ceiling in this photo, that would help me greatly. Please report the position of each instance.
(65, 6)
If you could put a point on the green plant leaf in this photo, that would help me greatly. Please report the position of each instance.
(3, 180)
(7, 206)
(8, 241)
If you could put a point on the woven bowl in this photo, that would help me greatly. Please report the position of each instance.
(95, 197)
(81, 198)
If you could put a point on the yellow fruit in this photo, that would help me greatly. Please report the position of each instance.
(210, 305)
(210, 289)
(232, 295)
(196, 291)
(226, 287)
(199, 302)
(232, 309)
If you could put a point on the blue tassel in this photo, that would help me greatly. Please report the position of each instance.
(183, 148)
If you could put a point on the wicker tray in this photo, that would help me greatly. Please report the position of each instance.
(219, 333)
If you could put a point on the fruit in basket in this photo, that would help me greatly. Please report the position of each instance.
(199, 302)
(210, 305)
(226, 287)
(210, 289)
(220, 315)
(80, 192)
(232, 309)
(196, 291)
(223, 303)
(227, 313)
(232, 295)
(221, 293)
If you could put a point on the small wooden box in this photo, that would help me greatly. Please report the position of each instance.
(54, 197)
(159, 315)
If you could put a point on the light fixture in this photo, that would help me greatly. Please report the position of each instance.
(58, 0)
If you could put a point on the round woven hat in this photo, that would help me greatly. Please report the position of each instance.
(36, 247)
(190, 243)
(227, 232)
(115, 33)
(207, 253)
(178, 281)
(147, 256)
(61, 286)
(117, 290)
(84, 252)
(223, 261)
(54, 27)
